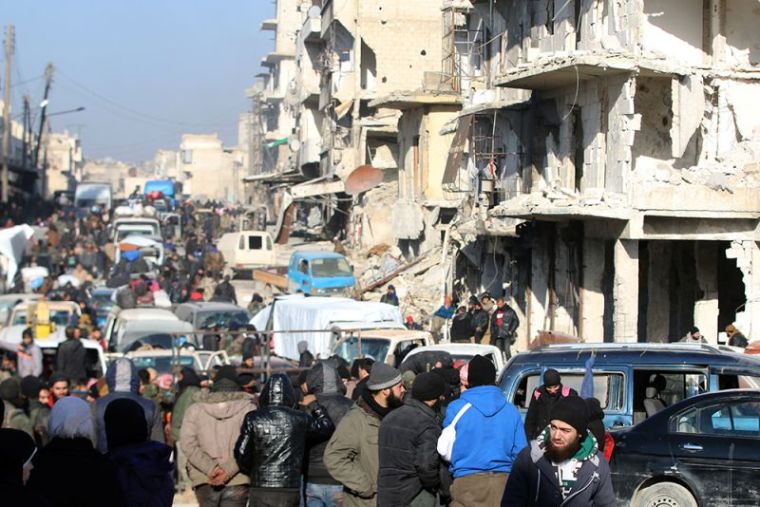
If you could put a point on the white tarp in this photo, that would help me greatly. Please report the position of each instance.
(294, 313)
(12, 246)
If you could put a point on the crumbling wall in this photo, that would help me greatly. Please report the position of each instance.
(741, 24)
(673, 29)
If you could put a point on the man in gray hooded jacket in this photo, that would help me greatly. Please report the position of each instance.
(123, 382)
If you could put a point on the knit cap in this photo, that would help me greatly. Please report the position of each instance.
(480, 372)
(383, 376)
(428, 386)
(571, 410)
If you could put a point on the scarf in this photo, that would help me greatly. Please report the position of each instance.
(372, 404)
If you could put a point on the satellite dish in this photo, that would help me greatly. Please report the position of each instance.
(363, 178)
(294, 145)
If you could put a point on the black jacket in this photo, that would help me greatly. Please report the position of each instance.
(540, 407)
(71, 473)
(462, 327)
(509, 323)
(409, 460)
(325, 383)
(480, 320)
(272, 441)
(533, 482)
(72, 360)
(144, 472)
(225, 292)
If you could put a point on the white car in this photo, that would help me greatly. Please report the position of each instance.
(465, 352)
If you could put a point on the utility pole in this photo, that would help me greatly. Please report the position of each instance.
(27, 138)
(9, 43)
(48, 82)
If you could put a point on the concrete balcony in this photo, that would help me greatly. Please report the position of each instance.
(268, 25)
(311, 31)
(310, 151)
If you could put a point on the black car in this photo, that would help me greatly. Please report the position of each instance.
(704, 450)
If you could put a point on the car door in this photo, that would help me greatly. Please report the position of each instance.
(702, 455)
(743, 442)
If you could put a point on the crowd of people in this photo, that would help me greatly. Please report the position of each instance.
(360, 436)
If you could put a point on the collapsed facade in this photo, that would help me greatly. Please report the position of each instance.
(596, 160)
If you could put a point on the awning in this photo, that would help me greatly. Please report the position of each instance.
(343, 108)
(317, 186)
(456, 151)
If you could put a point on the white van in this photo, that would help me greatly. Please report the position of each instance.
(246, 250)
(88, 195)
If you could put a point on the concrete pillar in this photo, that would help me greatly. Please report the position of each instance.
(747, 255)
(626, 291)
(658, 297)
(706, 309)
(591, 293)
(539, 282)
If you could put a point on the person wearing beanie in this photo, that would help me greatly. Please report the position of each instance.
(390, 297)
(16, 452)
(271, 448)
(189, 385)
(207, 437)
(542, 402)
(58, 467)
(563, 466)
(409, 471)
(15, 407)
(489, 436)
(143, 467)
(351, 455)
(39, 413)
(479, 318)
(596, 421)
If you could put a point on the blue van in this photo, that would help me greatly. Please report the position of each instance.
(625, 375)
(320, 274)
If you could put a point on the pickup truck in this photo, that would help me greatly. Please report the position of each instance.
(342, 326)
(313, 273)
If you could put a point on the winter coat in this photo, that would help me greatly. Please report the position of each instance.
(123, 382)
(409, 460)
(30, 365)
(533, 482)
(509, 324)
(325, 383)
(39, 414)
(480, 320)
(272, 442)
(489, 435)
(183, 402)
(144, 472)
(351, 455)
(209, 431)
(462, 327)
(540, 407)
(72, 360)
(71, 473)
(16, 418)
(225, 292)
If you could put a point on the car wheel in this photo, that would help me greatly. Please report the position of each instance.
(664, 494)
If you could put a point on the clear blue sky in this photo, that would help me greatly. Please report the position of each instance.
(146, 70)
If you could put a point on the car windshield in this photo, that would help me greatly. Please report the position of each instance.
(163, 364)
(223, 318)
(57, 317)
(374, 348)
(123, 233)
(133, 341)
(326, 268)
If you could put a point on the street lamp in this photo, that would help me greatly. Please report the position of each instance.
(80, 108)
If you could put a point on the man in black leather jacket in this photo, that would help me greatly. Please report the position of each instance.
(272, 443)
(324, 382)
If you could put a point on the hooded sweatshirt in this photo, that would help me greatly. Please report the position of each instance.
(123, 382)
(489, 435)
(325, 383)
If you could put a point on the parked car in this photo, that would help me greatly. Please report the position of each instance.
(10, 301)
(120, 320)
(385, 345)
(462, 353)
(207, 315)
(623, 372)
(246, 250)
(704, 450)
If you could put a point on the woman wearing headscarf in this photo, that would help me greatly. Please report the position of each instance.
(189, 384)
(69, 472)
(16, 452)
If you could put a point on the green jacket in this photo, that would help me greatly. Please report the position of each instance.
(16, 419)
(352, 457)
(184, 400)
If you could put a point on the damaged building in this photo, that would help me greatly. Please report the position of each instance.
(631, 166)
(595, 160)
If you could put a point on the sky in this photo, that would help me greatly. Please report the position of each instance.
(146, 71)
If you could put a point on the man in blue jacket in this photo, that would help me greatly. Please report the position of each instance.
(489, 436)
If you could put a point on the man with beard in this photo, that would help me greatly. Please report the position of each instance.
(59, 387)
(351, 455)
(563, 466)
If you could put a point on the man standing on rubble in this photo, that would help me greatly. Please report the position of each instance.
(479, 318)
(504, 323)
